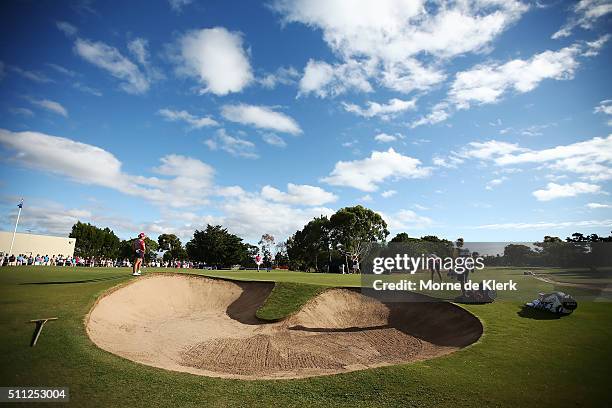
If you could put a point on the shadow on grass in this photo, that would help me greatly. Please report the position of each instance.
(75, 281)
(527, 312)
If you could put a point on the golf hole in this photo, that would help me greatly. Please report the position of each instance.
(208, 327)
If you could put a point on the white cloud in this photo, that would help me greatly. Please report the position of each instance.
(188, 182)
(62, 70)
(176, 165)
(386, 111)
(185, 181)
(234, 145)
(323, 79)
(406, 220)
(385, 138)
(261, 117)
(586, 13)
(87, 89)
(22, 112)
(139, 49)
(179, 182)
(51, 106)
(593, 47)
(393, 30)
(216, 57)
(495, 182)
(66, 28)
(211, 144)
(388, 193)
(605, 107)
(78, 161)
(450, 162)
(193, 121)
(250, 216)
(546, 225)
(554, 190)
(389, 36)
(598, 205)
(410, 75)
(367, 173)
(490, 149)
(274, 140)
(299, 195)
(366, 198)
(178, 5)
(591, 159)
(31, 75)
(317, 75)
(283, 76)
(52, 219)
(420, 142)
(111, 60)
(487, 83)
(439, 113)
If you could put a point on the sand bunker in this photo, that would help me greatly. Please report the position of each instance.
(208, 327)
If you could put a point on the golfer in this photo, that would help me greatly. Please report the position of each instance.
(434, 262)
(139, 249)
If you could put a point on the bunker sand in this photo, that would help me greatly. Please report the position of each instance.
(208, 327)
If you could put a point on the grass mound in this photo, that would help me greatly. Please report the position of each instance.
(286, 299)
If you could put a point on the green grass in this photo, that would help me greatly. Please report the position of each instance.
(322, 279)
(286, 299)
(518, 362)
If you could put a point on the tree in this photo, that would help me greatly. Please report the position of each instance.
(459, 242)
(94, 242)
(402, 237)
(353, 229)
(429, 244)
(554, 252)
(591, 250)
(266, 243)
(172, 246)
(311, 243)
(217, 247)
(518, 255)
(281, 258)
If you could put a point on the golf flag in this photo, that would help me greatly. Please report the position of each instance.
(20, 205)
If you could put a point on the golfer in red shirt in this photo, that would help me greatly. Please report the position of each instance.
(139, 249)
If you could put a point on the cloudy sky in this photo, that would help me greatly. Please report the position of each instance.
(487, 119)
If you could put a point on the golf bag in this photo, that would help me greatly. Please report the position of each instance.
(555, 302)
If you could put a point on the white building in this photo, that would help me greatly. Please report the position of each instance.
(33, 244)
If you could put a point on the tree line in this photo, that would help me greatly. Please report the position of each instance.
(214, 246)
(322, 243)
(577, 251)
(331, 244)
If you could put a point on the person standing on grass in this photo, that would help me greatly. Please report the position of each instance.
(434, 262)
(139, 249)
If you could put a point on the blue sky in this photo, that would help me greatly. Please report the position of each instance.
(483, 119)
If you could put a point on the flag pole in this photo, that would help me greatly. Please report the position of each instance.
(16, 223)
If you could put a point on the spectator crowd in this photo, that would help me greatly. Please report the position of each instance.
(74, 261)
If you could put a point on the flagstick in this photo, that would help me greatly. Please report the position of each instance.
(15, 231)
